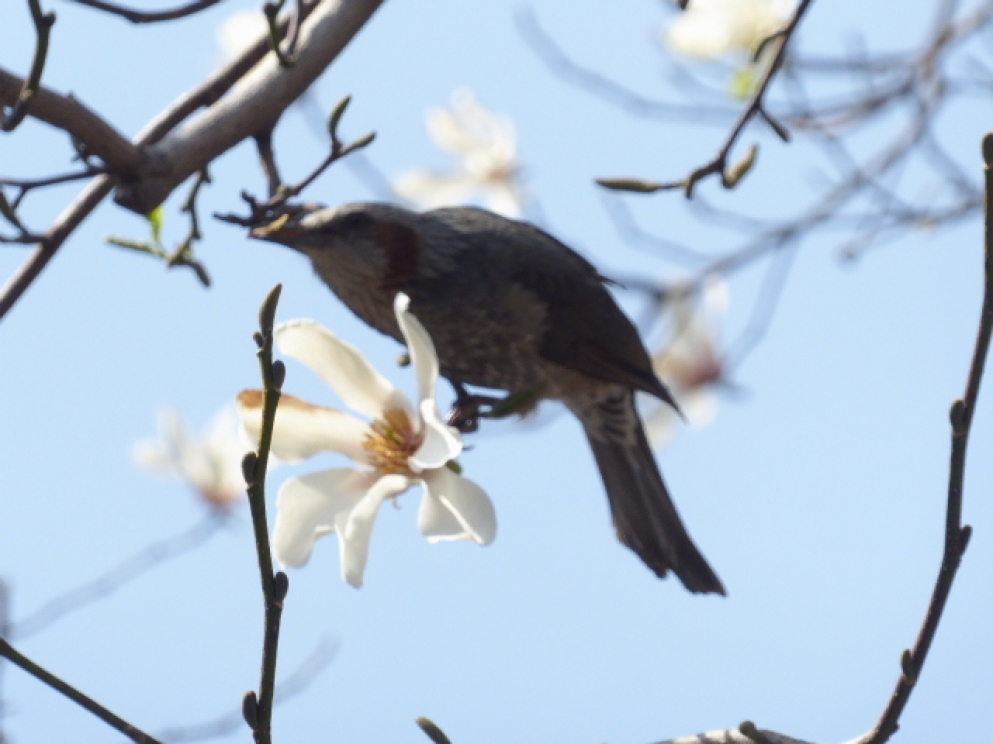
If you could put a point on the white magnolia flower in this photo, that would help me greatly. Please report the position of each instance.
(690, 363)
(211, 463)
(485, 146)
(714, 28)
(404, 445)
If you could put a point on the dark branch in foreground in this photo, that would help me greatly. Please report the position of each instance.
(132, 732)
(234, 720)
(956, 535)
(257, 707)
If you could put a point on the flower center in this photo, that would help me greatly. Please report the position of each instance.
(390, 443)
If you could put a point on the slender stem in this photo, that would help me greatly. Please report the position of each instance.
(956, 536)
(135, 734)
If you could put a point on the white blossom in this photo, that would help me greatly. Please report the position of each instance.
(240, 30)
(691, 362)
(711, 29)
(484, 145)
(210, 463)
(403, 445)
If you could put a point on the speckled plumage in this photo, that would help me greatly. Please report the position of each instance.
(509, 307)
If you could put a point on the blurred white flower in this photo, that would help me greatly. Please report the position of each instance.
(240, 30)
(485, 146)
(715, 28)
(403, 446)
(690, 363)
(211, 463)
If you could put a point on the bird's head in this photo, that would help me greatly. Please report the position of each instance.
(363, 244)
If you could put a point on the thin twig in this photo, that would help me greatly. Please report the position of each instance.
(106, 584)
(26, 184)
(956, 535)
(719, 164)
(149, 16)
(132, 732)
(204, 94)
(263, 144)
(257, 708)
(43, 23)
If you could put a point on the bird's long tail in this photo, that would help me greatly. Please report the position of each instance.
(644, 516)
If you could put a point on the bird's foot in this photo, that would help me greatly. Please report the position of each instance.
(469, 408)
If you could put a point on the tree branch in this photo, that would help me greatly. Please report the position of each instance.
(956, 535)
(202, 95)
(135, 734)
(67, 113)
(43, 23)
(254, 107)
(257, 708)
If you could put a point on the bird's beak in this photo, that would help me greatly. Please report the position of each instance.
(279, 231)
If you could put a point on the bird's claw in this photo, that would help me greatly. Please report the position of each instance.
(469, 408)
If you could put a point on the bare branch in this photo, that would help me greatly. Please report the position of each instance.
(202, 95)
(719, 165)
(132, 732)
(956, 535)
(252, 108)
(67, 113)
(43, 23)
(149, 16)
(257, 708)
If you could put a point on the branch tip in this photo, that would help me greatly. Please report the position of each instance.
(432, 731)
(336, 115)
(267, 313)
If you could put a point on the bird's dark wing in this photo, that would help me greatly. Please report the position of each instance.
(586, 330)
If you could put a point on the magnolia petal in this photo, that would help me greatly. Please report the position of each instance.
(455, 508)
(341, 366)
(660, 425)
(301, 429)
(226, 443)
(430, 190)
(450, 129)
(441, 442)
(312, 506)
(504, 198)
(149, 454)
(422, 352)
(355, 534)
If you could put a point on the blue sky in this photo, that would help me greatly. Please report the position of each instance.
(817, 493)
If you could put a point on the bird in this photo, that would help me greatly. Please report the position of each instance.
(509, 307)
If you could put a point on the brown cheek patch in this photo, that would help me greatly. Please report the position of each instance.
(403, 251)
